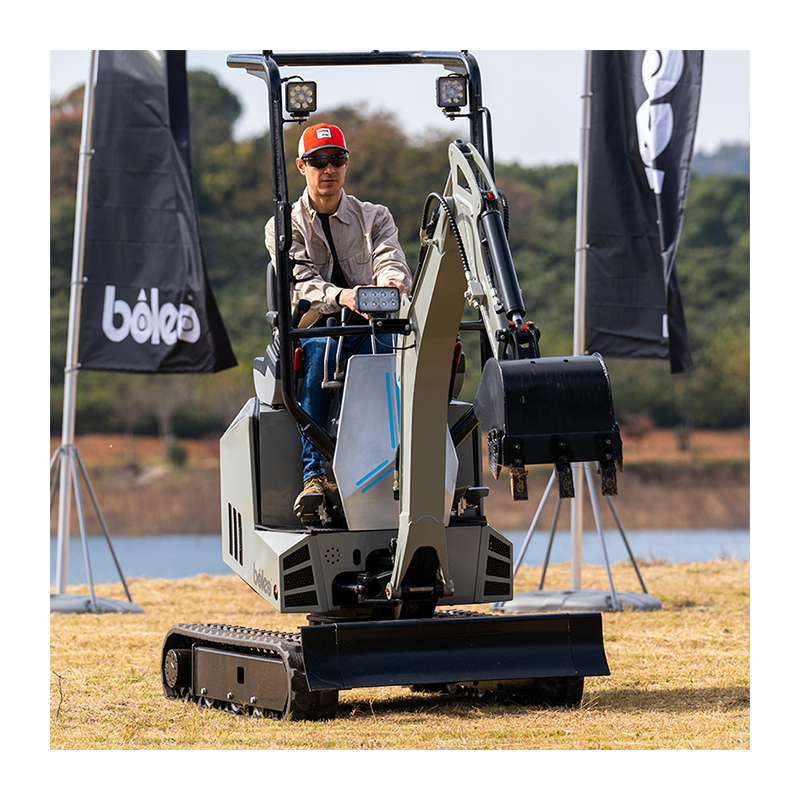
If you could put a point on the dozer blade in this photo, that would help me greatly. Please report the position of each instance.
(452, 650)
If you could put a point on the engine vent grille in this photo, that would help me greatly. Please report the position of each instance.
(298, 574)
(497, 573)
(296, 558)
(302, 599)
(235, 534)
(500, 547)
(294, 580)
(498, 569)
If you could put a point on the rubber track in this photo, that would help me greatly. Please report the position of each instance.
(302, 703)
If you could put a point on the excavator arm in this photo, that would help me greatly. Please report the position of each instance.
(535, 410)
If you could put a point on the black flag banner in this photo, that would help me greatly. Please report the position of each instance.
(644, 106)
(147, 304)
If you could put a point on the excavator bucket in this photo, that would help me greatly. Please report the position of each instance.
(549, 411)
(454, 649)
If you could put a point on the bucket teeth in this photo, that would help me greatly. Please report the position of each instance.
(519, 483)
(608, 478)
(566, 483)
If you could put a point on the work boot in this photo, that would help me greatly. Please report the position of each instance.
(311, 500)
(331, 491)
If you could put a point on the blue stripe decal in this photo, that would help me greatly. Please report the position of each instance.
(391, 410)
(397, 394)
(370, 474)
(386, 472)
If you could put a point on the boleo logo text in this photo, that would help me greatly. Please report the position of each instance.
(148, 321)
(661, 72)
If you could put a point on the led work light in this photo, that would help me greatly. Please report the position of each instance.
(377, 300)
(451, 92)
(301, 98)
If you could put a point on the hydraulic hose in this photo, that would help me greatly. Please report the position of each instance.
(460, 244)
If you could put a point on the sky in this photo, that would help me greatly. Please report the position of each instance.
(538, 125)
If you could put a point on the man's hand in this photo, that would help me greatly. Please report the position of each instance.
(347, 298)
(399, 286)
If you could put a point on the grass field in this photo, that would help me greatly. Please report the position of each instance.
(680, 677)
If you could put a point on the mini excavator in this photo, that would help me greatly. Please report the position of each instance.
(408, 538)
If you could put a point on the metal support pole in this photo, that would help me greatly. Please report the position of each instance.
(67, 466)
(601, 535)
(534, 523)
(625, 540)
(579, 320)
(581, 472)
(546, 561)
(581, 244)
(82, 523)
(68, 459)
(75, 296)
(576, 528)
(102, 520)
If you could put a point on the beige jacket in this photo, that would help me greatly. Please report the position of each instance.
(366, 241)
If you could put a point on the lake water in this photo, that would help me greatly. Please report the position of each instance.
(186, 555)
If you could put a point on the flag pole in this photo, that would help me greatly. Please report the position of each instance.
(71, 368)
(579, 316)
(577, 598)
(67, 464)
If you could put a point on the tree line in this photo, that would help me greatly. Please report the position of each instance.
(233, 188)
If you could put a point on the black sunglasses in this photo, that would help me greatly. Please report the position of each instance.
(320, 162)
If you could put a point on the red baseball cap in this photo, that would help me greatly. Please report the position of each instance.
(318, 136)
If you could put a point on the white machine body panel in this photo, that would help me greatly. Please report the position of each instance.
(367, 442)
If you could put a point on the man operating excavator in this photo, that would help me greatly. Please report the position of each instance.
(338, 244)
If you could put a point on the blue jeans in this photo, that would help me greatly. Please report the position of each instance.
(315, 400)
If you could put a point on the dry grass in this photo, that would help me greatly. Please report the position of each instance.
(680, 678)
